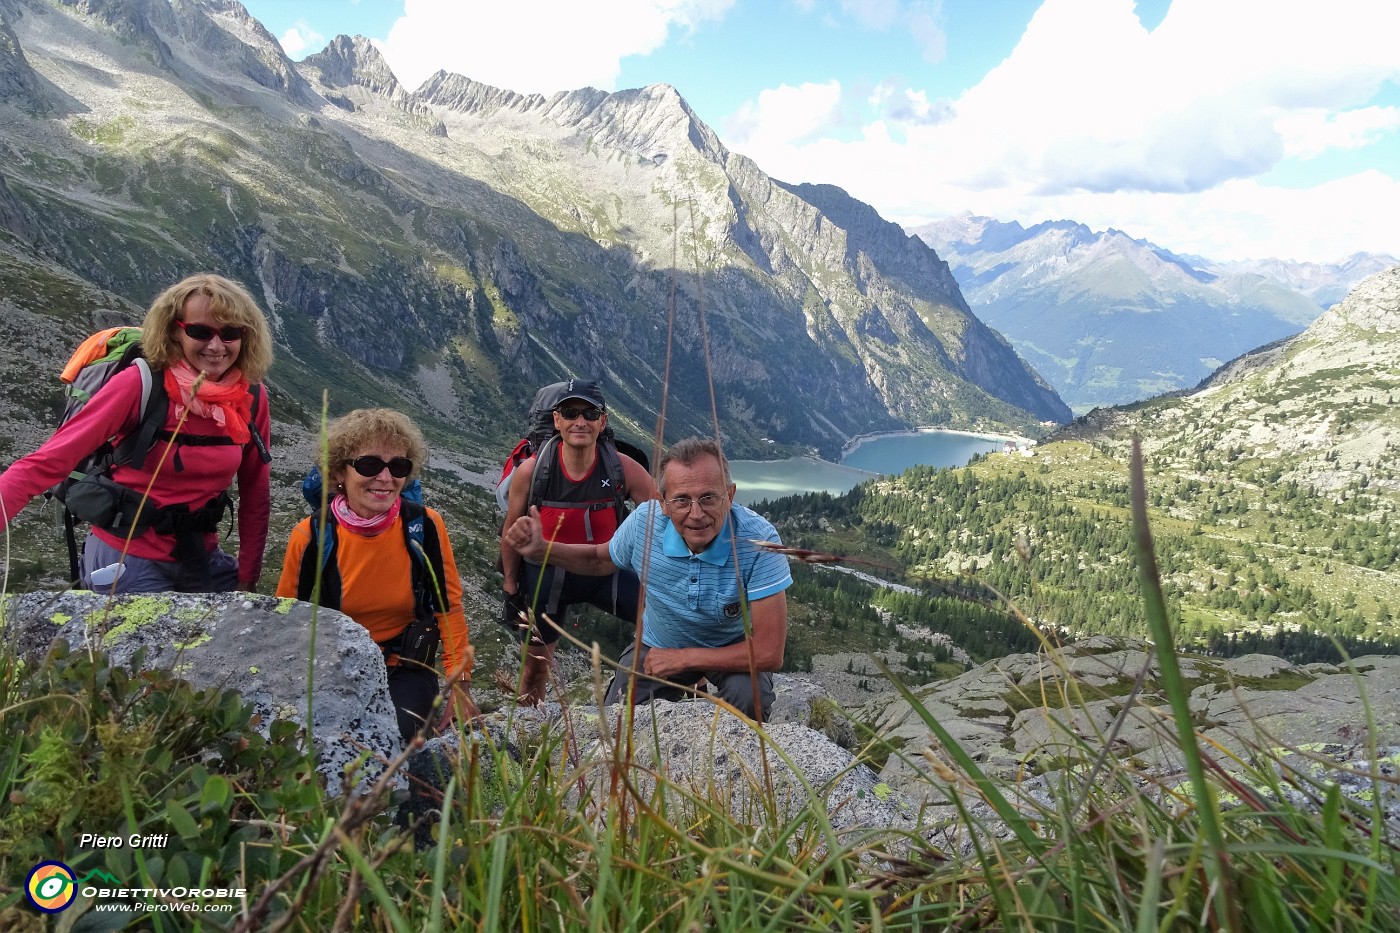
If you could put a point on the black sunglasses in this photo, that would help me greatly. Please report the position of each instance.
(589, 414)
(370, 466)
(228, 333)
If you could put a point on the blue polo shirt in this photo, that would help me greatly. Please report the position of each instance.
(692, 600)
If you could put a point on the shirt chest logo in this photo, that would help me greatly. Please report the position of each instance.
(731, 610)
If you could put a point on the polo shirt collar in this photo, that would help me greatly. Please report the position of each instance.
(716, 552)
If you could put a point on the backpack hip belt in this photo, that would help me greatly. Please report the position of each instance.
(107, 504)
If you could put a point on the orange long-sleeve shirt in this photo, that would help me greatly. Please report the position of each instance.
(376, 588)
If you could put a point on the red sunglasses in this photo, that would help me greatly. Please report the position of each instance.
(229, 333)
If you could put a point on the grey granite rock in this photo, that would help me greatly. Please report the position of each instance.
(1021, 714)
(257, 645)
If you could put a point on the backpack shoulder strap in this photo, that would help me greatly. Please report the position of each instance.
(612, 463)
(546, 458)
(421, 538)
(257, 392)
(319, 558)
(155, 403)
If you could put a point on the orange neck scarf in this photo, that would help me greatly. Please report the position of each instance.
(227, 401)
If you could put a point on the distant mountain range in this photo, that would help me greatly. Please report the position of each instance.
(1109, 319)
(1324, 283)
(449, 250)
(1272, 493)
(1318, 408)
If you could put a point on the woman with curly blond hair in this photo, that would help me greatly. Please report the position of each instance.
(386, 562)
(206, 348)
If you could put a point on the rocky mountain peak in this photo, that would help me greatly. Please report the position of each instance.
(355, 62)
(1068, 232)
(867, 231)
(1372, 306)
(461, 94)
(1325, 283)
(653, 122)
(970, 230)
(200, 41)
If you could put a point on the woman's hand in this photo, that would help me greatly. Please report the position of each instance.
(461, 708)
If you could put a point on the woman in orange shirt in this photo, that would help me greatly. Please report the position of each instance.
(386, 562)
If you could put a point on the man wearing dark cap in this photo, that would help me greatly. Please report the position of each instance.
(577, 506)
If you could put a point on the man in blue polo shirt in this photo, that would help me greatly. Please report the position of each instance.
(686, 548)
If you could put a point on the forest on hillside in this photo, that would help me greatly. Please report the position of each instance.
(1242, 571)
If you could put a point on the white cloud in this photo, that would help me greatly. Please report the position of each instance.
(873, 14)
(299, 39)
(922, 19)
(1162, 134)
(784, 116)
(925, 23)
(1246, 219)
(1309, 133)
(506, 44)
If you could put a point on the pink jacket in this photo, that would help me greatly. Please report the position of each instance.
(204, 471)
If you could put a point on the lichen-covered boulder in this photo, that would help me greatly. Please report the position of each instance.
(260, 646)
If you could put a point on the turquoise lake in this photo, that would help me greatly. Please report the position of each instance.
(890, 453)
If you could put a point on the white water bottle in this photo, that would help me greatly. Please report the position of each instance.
(106, 576)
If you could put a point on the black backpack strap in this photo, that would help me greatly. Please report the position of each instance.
(430, 582)
(258, 442)
(546, 457)
(433, 551)
(135, 446)
(419, 640)
(320, 556)
(70, 532)
(196, 440)
(612, 463)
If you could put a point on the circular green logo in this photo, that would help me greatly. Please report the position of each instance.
(51, 887)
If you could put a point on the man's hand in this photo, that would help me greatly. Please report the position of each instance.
(526, 536)
(667, 663)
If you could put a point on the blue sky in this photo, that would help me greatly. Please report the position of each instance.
(1227, 128)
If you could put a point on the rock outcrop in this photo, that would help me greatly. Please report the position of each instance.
(1030, 714)
(260, 646)
(1032, 722)
(263, 647)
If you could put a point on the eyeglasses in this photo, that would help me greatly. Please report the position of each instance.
(683, 503)
(590, 413)
(370, 466)
(229, 333)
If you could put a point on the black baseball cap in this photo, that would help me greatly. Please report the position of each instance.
(585, 390)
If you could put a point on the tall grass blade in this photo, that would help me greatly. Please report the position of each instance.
(1173, 685)
(387, 902)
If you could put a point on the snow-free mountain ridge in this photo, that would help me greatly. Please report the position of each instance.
(1109, 319)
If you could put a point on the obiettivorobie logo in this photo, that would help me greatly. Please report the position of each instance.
(52, 887)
